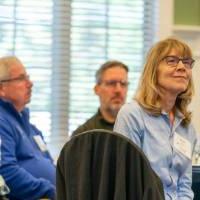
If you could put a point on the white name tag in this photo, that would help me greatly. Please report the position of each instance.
(182, 145)
(40, 143)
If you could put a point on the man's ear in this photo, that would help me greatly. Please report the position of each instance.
(96, 89)
(2, 93)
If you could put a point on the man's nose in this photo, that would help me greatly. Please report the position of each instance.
(29, 83)
(119, 86)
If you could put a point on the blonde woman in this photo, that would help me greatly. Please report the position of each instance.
(158, 120)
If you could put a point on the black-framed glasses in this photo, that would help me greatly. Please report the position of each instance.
(174, 60)
(113, 83)
(22, 77)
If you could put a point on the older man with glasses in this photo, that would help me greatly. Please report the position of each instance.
(26, 164)
(111, 87)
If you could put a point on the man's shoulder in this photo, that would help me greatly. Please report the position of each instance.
(88, 125)
(5, 115)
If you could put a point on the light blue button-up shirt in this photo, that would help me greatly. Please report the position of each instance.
(155, 136)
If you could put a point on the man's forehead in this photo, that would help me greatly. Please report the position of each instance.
(17, 67)
(115, 72)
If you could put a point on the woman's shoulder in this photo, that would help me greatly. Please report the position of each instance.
(131, 108)
(132, 105)
(193, 131)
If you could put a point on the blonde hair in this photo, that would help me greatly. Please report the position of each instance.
(147, 94)
(5, 65)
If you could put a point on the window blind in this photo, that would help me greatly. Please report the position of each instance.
(102, 30)
(63, 42)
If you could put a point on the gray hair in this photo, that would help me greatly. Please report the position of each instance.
(108, 65)
(5, 65)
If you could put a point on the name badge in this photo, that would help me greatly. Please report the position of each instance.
(42, 146)
(182, 145)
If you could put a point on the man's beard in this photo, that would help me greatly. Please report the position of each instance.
(113, 110)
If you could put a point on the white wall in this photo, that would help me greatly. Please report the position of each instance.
(165, 19)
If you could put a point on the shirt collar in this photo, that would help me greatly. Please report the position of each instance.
(177, 114)
(100, 116)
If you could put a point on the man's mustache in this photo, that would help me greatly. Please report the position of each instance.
(117, 97)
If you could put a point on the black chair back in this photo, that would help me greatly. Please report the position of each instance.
(104, 165)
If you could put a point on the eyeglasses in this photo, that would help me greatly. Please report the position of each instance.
(113, 83)
(22, 77)
(174, 60)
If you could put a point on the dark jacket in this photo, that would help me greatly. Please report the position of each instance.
(95, 122)
(103, 165)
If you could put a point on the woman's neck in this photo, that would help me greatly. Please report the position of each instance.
(167, 101)
(168, 105)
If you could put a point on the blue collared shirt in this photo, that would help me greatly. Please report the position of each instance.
(155, 136)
